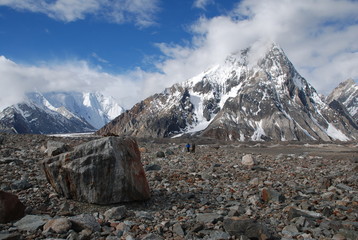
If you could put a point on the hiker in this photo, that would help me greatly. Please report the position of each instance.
(188, 147)
(193, 148)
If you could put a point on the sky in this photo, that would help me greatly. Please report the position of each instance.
(130, 49)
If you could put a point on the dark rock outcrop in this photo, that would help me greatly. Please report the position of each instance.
(10, 207)
(102, 171)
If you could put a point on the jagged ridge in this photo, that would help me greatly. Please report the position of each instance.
(238, 100)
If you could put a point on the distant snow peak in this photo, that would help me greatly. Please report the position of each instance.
(81, 111)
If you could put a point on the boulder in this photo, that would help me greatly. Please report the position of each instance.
(102, 171)
(10, 207)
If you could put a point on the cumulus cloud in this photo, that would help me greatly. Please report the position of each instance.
(18, 79)
(319, 37)
(141, 12)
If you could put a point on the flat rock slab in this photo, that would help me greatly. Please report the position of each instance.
(31, 222)
(102, 171)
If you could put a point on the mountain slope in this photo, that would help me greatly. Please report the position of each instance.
(347, 94)
(95, 108)
(60, 112)
(27, 117)
(238, 100)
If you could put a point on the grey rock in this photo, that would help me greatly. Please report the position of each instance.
(294, 212)
(22, 184)
(290, 231)
(11, 208)
(177, 228)
(116, 213)
(344, 187)
(208, 217)
(218, 235)
(85, 221)
(144, 215)
(153, 167)
(55, 148)
(32, 222)
(103, 171)
(247, 227)
(152, 236)
(10, 236)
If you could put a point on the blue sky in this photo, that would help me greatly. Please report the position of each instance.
(133, 48)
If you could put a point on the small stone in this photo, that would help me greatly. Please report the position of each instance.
(272, 195)
(144, 215)
(294, 212)
(55, 148)
(152, 167)
(327, 195)
(85, 221)
(248, 160)
(247, 227)
(208, 217)
(177, 228)
(160, 154)
(254, 182)
(219, 235)
(290, 231)
(152, 236)
(22, 184)
(116, 213)
(58, 225)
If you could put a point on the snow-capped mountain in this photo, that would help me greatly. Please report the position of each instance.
(60, 112)
(347, 94)
(95, 108)
(238, 100)
(27, 117)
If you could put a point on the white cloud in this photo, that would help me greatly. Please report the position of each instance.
(202, 3)
(319, 37)
(18, 79)
(141, 12)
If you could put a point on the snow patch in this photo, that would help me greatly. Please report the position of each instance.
(335, 133)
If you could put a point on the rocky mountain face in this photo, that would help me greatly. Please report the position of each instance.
(347, 94)
(59, 112)
(241, 100)
(28, 117)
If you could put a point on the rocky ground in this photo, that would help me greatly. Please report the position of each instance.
(222, 191)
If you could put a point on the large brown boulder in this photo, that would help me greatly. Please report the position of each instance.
(10, 207)
(103, 171)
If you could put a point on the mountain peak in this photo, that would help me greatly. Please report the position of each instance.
(242, 99)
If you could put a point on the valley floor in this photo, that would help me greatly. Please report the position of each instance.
(293, 191)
